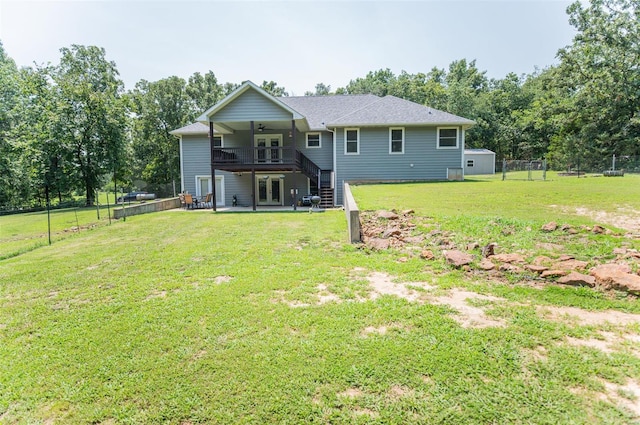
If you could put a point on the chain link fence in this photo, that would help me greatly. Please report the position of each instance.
(616, 165)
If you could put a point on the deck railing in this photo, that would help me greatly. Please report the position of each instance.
(254, 155)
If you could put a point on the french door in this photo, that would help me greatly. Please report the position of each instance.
(268, 148)
(269, 189)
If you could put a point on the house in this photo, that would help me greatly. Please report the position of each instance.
(266, 150)
(479, 161)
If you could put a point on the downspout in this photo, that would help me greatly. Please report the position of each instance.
(463, 160)
(181, 167)
(335, 168)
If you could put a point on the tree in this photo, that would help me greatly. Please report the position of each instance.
(321, 90)
(204, 91)
(376, 82)
(9, 95)
(600, 71)
(160, 107)
(92, 118)
(273, 89)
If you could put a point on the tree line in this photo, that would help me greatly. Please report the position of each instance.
(71, 128)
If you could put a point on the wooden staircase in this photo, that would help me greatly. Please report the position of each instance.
(326, 197)
(318, 178)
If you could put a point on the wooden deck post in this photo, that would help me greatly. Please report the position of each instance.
(213, 170)
(293, 172)
(253, 187)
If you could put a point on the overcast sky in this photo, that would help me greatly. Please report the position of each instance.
(295, 43)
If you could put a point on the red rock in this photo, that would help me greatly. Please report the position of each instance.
(577, 279)
(549, 227)
(553, 273)
(508, 267)
(403, 260)
(617, 276)
(597, 229)
(393, 231)
(407, 212)
(536, 269)
(565, 257)
(508, 258)
(457, 258)
(377, 243)
(571, 265)
(540, 260)
(619, 251)
(472, 246)
(487, 264)
(388, 215)
(427, 254)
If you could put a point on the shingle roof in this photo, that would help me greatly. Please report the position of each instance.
(479, 151)
(391, 110)
(322, 110)
(194, 128)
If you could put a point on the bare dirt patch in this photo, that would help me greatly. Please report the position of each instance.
(469, 316)
(598, 344)
(351, 393)
(222, 279)
(626, 396)
(382, 284)
(622, 218)
(574, 315)
(324, 296)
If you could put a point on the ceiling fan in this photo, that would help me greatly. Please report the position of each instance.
(262, 127)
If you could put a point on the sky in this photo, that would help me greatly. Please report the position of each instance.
(297, 44)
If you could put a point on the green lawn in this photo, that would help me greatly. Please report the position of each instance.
(193, 317)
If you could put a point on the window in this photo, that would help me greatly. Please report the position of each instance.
(447, 138)
(313, 140)
(396, 140)
(351, 141)
(469, 162)
(217, 141)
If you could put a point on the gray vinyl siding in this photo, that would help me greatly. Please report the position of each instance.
(251, 105)
(323, 156)
(196, 162)
(375, 163)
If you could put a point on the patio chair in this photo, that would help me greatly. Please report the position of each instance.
(207, 201)
(188, 201)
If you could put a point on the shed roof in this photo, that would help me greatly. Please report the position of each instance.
(479, 152)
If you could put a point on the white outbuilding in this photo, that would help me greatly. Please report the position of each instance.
(479, 161)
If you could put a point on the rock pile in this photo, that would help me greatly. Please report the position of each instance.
(390, 229)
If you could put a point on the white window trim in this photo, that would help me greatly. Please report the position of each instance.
(357, 130)
(219, 196)
(319, 140)
(438, 138)
(221, 139)
(391, 152)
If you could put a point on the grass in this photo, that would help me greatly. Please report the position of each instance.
(183, 317)
(20, 233)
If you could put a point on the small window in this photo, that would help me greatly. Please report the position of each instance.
(469, 162)
(447, 138)
(351, 141)
(396, 140)
(217, 141)
(313, 140)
